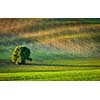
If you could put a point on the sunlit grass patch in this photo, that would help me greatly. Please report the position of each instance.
(86, 75)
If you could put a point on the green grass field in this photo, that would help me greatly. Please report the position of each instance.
(50, 70)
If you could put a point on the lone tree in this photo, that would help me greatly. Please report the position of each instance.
(20, 55)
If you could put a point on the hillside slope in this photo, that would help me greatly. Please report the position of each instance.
(51, 38)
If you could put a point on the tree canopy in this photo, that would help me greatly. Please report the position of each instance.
(21, 54)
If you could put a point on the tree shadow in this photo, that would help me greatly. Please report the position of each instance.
(62, 65)
(8, 62)
(35, 64)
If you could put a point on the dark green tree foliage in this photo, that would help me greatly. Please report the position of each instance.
(20, 55)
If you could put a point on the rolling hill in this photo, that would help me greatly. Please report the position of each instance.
(51, 38)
